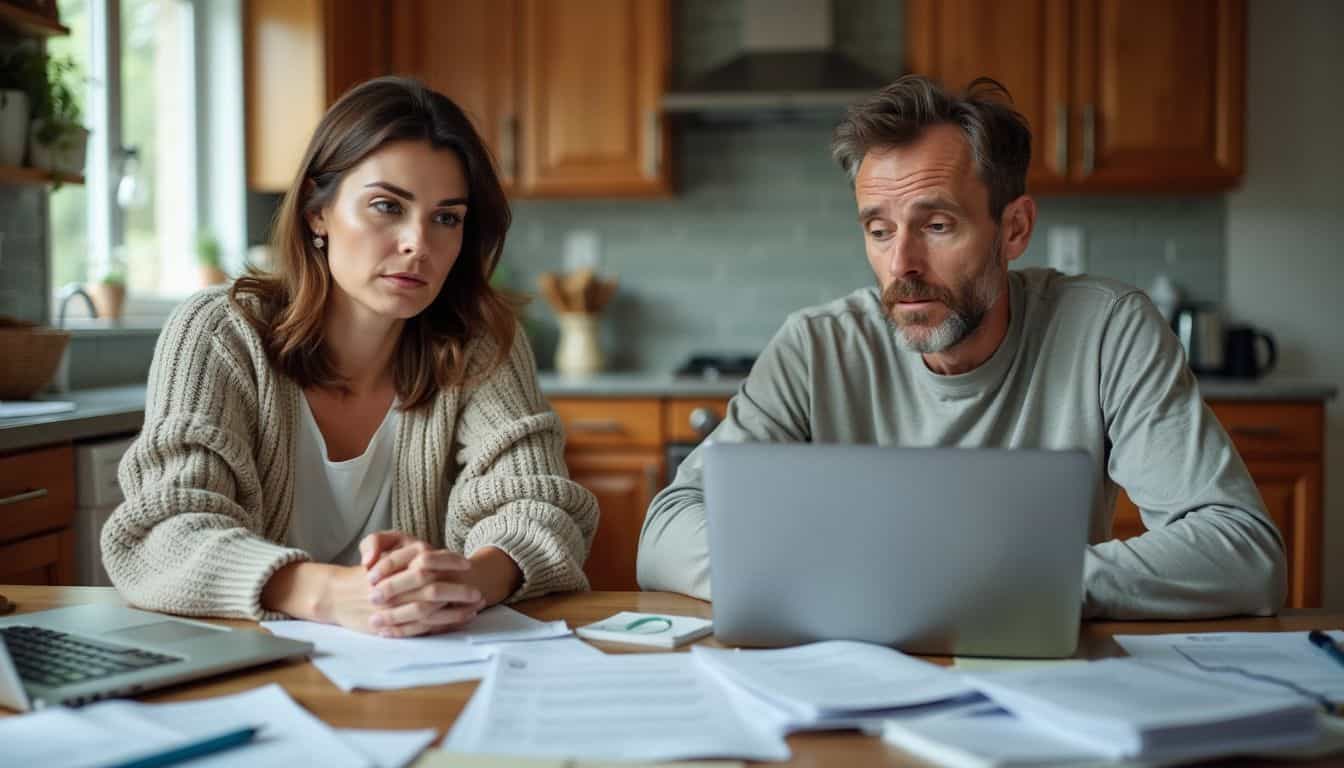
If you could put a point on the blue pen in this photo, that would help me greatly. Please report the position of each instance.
(1323, 641)
(193, 750)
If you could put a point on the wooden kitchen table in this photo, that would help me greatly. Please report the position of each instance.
(437, 706)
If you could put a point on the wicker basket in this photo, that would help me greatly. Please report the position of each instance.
(28, 357)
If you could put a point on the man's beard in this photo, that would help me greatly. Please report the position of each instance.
(966, 308)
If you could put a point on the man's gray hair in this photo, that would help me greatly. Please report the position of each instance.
(999, 136)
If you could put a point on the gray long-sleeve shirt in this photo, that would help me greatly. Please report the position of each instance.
(1087, 363)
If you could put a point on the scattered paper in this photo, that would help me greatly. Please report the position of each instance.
(1282, 656)
(389, 749)
(354, 660)
(618, 707)
(438, 758)
(988, 736)
(1126, 708)
(834, 677)
(112, 731)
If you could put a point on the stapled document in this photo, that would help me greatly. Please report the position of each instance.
(835, 678)
(1124, 708)
(662, 706)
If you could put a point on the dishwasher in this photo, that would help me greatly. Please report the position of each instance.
(97, 493)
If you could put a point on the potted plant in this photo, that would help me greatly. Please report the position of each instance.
(208, 258)
(22, 80)
(59, 140)
(109, 294)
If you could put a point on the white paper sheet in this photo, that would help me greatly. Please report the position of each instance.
(389, 749)
(112, 731)
(357, 660)
(1126, 708)
(290, 734)
(988, 736)
(1286, 656)
(61, 738)
(834, 678)
(618, 707)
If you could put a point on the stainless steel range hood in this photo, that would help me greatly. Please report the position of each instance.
(787, 63)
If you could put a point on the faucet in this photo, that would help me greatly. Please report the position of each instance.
(70, 291)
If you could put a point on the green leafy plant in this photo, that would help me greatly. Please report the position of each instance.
(208, 251)
(113, 277)
(58, 109)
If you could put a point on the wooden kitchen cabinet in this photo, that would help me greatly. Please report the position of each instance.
(1023, 44)
(593, 79)
(614, 448)
(1282, 445)
(566, 95)
(467, 49)
(617, 448)
(1121, 95)
(37, 509)
(299, 57)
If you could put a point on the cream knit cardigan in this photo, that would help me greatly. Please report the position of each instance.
(209, 482)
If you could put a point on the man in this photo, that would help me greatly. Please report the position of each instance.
(952, 348)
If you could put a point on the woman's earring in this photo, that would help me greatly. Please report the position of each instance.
(318, 242)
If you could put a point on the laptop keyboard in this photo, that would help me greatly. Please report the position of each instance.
(49, 657)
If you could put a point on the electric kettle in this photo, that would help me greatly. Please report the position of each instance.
(1200, 330)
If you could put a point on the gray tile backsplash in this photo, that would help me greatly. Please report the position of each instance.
(23, 248)
(764, 224)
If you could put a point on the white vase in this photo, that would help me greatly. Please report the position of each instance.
(65, 154)
(13, 127)
(578, 352)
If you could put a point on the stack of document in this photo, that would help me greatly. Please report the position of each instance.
(707, 703)
(117, 731)
(356, 660)
(1127, 709)
(1283, 660)
(837, 684)
(618, 707)
(983, 737)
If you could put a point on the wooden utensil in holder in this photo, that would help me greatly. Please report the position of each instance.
(577, 298)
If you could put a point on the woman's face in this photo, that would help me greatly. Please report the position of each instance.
(394, 229)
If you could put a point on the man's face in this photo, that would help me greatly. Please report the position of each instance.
(930, 239)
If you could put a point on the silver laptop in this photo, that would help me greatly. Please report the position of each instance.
(85, 653)
(930, 550)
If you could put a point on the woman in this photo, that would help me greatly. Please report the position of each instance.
(356, 437)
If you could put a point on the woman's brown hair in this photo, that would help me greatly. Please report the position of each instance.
(285, 304)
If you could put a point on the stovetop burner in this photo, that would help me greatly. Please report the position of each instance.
(716, 366)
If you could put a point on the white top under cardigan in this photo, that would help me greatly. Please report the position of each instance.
(338, 503)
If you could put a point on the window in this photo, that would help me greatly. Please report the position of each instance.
(138, 213)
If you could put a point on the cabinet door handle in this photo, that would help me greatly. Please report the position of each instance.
(1259, 433)
(1062, 138)
(603, 426)
(508, 147)
(652, 144)
(23, 496)
(1089, 139)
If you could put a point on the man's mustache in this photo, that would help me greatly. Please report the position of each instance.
(914, 290)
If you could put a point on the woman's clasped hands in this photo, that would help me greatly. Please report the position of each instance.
(404, 587)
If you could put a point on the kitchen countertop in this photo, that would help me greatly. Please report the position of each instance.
(98, 413)
(109, 411)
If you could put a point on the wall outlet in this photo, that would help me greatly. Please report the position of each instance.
(1065, 250)
(582, 249)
